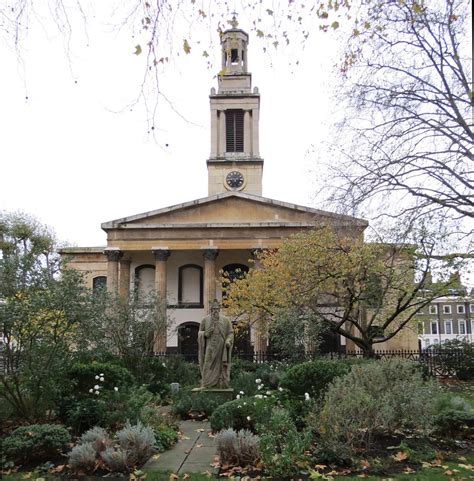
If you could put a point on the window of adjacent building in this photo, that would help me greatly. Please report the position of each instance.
(99, 283)
(461, 309)
(462, 326)
(433, 309)
(234, 128)
(190, 285)
(448, 327)
(471, 308)
(446, 309)
(434, 327)
(472, 326)
(421, 328)
(426, 342)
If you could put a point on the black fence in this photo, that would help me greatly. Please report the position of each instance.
(439, 362)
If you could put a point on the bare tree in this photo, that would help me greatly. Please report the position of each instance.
(407, 137)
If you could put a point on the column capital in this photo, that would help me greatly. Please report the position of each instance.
(161, 254)
(210, 254)
(113, 255)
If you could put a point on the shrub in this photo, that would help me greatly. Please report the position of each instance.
(83, 457)
(313, 377)
(385, 396)
(282, 447)
(237, 448)
(85, 375)
(37, 442)
(116, 459)
(84, 413)
(185, 403)
(96, 436)
(164, 428)
(138, 442)
(134, 445)
(242, 413)
(453, 416)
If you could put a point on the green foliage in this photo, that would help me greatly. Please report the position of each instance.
(381, 397)
(312, 377)
(458, 356)
(164, 427)
(453, 416)
(83, 457)
(85, 376)
(133, 446)
(282, 447)
(186, 403)
(242, 413)
(138, 442)
(36, 442)
(237, 448)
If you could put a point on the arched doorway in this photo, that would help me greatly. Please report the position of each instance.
(188, 340)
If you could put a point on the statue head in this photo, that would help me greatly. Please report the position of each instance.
(215, 307)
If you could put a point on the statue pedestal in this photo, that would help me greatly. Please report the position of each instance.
(223, 395)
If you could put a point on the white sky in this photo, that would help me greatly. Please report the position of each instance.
(73, 162)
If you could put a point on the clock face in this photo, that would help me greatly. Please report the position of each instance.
(234, 179)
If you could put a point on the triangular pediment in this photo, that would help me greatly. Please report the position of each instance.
(227, 210)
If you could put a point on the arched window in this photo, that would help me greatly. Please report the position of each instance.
(188, 340)
(144, 281)
(190, 282)
(99, 283)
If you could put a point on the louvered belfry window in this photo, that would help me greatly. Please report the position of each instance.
(234, 128)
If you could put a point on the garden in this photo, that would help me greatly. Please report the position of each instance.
(320, 419)
(82, 393)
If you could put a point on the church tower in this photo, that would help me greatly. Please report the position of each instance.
(234, 163)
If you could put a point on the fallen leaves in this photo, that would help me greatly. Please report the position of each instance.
(400, 456)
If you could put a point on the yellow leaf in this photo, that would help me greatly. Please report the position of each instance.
(400, 456)
(335, 25)
(205, 54)
(138, 50)
(186, 476)
(186, 47)
(260, 34)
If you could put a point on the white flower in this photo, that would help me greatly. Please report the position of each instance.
(260, 386)
(96, 387)
(245, 404)
(97, 377)
(97, 392)
(115, 388)
(239, 406)
(248, 418)
(268, 393)
(280, 389)
(241, 392)
(102, 379)
(101, 374)
(258, 396)
(91, 391)
(163, 364)
(238, 396)
(306, 396)
(258, 381)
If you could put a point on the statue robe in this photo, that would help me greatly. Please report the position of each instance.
(214, 355)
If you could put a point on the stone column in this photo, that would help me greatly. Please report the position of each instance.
(210, 256)
(161, 256)
(113, 257)
(214, 131)
(247, 133)
(255, 135)
(259, 329)
(124, 279)
(222, 142)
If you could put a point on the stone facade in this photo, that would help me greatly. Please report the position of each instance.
(179, 251)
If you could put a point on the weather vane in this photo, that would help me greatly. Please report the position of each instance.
(234, 23)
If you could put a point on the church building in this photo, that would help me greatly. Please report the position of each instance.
(180, 251)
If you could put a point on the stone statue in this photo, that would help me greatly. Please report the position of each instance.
(215, 340)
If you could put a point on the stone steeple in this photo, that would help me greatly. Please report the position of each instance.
(235, 163)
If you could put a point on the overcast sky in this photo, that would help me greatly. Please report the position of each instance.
(73, 157)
